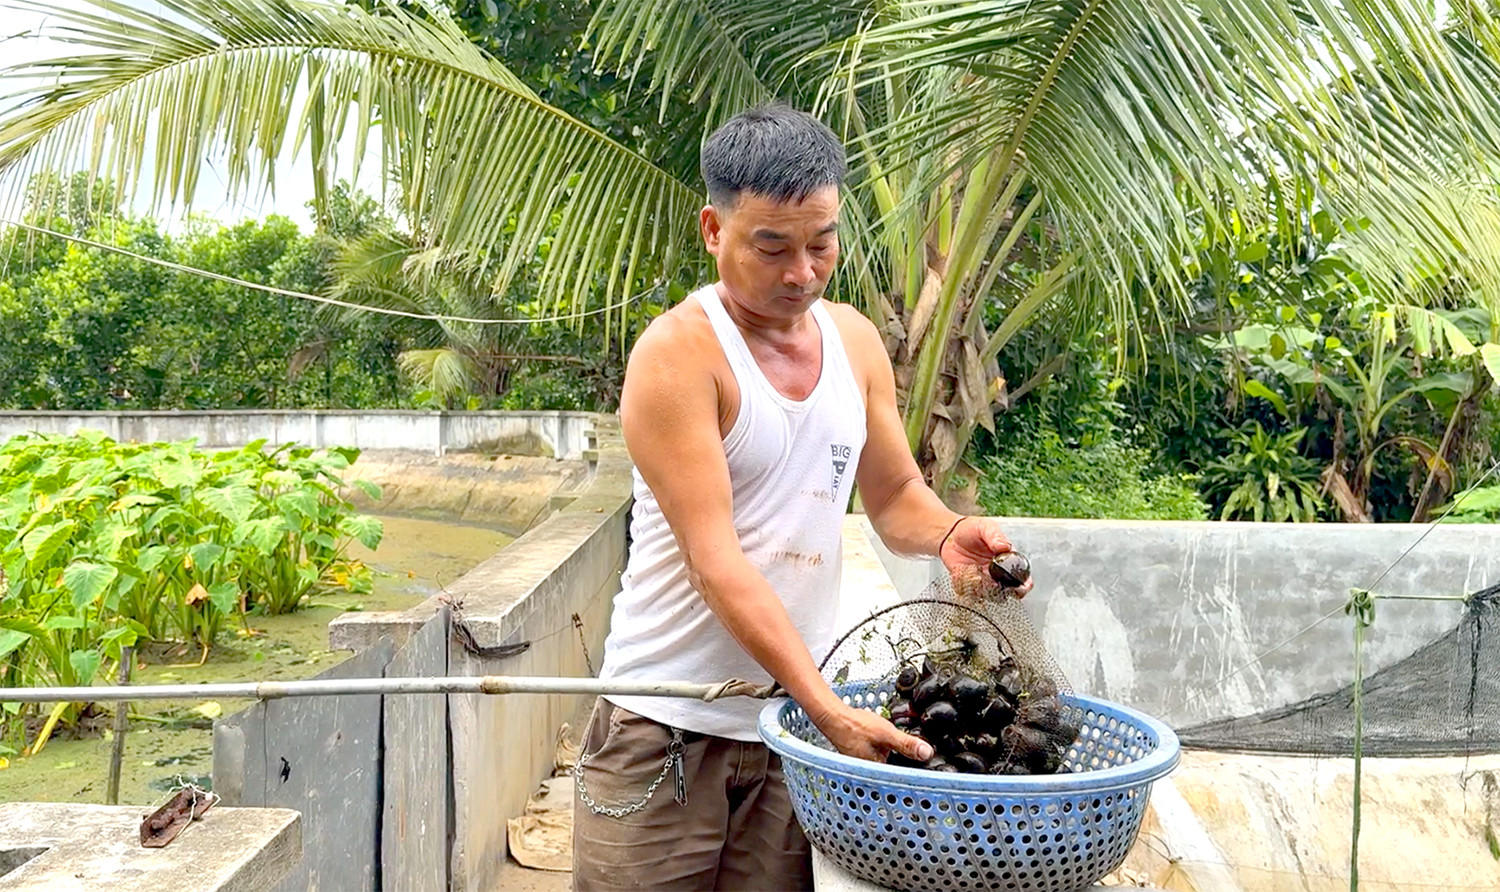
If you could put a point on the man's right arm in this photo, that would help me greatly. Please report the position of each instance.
(669, 413)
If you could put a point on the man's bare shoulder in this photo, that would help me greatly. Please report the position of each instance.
(850, 320)
(682, 337)
(862, 340)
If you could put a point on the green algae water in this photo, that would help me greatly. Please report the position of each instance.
(170, 742)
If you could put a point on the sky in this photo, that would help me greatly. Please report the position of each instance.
(25, 39)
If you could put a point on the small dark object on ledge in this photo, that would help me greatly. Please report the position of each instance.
(163, 825)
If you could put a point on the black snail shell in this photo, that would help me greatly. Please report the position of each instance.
(1045, 714)
(1010, 570)
(907, 679)
(1009, 684)
(997, 715)
(901, 710)
(985, 744)
(927, 693)
(1023, 742)
(969, 694)
(903, 761)
(1042, 686)
(940, 719)
(968, 763)
(1007, 767)
(945, 676)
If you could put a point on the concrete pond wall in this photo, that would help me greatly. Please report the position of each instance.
(1186, 621)
(1196, 621)
(407, 792)
(550, 434)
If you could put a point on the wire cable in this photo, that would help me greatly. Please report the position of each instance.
(284, 292)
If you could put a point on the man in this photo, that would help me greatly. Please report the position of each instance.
(750, 410)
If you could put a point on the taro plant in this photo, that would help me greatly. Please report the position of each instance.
(104, 544)
(1265, 478)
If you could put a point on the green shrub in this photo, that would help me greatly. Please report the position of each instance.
(1265, 477)
(103, 544)
(1481, 505)
(1037, 474)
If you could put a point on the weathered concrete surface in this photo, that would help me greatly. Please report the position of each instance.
(567, 564)
(864, 586)
(543, 433)
(321, 756)
(1283, 824)
(92, 847)
(503, 746)
(829, 877)
(508, 492)
(1193, 621)
(417, 775)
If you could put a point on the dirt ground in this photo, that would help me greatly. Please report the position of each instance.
(515, 878)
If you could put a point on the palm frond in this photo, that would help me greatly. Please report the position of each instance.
(448, 373)
(1144, 121)
(728, 55)
(484, 167)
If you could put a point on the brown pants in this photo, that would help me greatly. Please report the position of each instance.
(736, 832)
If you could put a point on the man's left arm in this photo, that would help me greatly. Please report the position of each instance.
(907, 515)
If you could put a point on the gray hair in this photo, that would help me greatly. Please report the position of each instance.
(773, 151)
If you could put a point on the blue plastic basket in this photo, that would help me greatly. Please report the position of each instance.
(910, 829)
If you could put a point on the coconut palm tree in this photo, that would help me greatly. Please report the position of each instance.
(1039, 156)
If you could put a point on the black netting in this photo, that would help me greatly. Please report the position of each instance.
(966, 671)
(1444, 699)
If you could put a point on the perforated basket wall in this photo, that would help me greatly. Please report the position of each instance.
(910, 829)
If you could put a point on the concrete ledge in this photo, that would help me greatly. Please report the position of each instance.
(568, 566)
(361, 630)
(545, 433)
(93, 847)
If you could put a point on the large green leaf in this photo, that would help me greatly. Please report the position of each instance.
(151, 556)
(1490, 354)
(86, 664)
(87, 580)
(1255, 388)
(233, 503)
(206, 555)
(263, 533)
(42, 543)
(299, 504)
(174, 474)
(224, 596)
(368, 530)
(10, 639)
(1142, 121)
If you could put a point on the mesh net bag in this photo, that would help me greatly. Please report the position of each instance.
(969, 674)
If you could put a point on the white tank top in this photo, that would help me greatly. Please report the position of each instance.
(791, 467)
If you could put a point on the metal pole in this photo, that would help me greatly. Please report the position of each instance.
(486, 684)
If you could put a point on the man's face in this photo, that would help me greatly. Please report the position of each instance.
(775, 258)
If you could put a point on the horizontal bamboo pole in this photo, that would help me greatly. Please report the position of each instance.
(315, 687)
